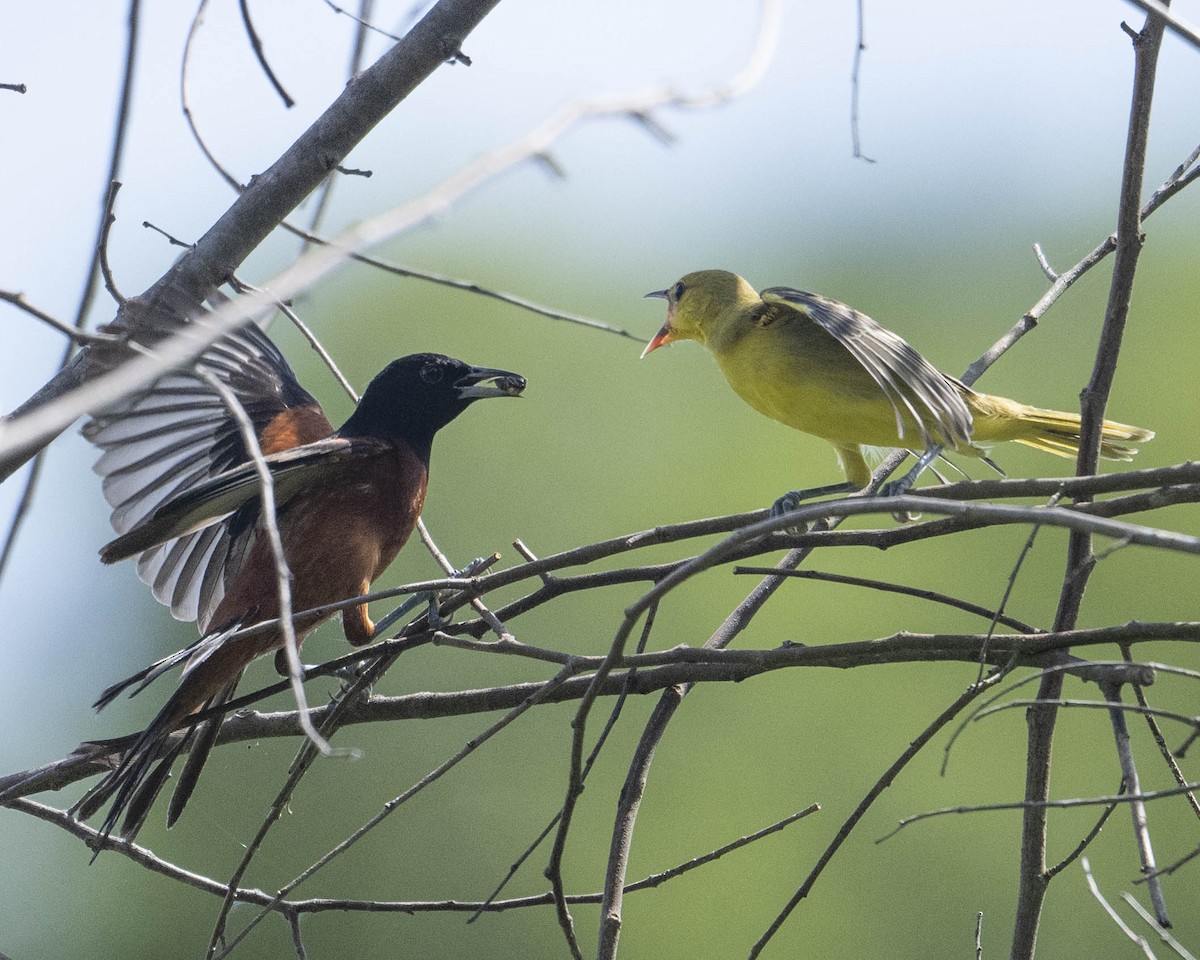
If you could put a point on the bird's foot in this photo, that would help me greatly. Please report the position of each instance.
(432, 601)
(787, 503)
(281, 665)
(433, 614)
(897, 488)
(351, 674)
(793, 498)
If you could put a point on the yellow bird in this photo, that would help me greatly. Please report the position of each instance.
(824, 368)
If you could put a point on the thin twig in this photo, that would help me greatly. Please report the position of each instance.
(256, 45)
(1164, 934)
(1110, 706)
(1159, 739)
(1071, 804)
(1112, 914)
(1048, 270)
(470, 286)
(361, 21)
(170, 238)
(884, 586)
(860, 45)
(110, 283)
(1137, 809)
(1087, 839)
(358, 51)
(865, 804)
(283, 576)
(185, 97)
(74, 333)
(1033, 880)
(312, 339)
(115, 159)
(366, 9)
(296, 908)
(1011, 583)
(143, 857)
(392, 805)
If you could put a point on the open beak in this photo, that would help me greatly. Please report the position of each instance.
(479, 382)
(666, 334)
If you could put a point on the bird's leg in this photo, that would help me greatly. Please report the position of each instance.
(896, 488)
(281, 664)
(854, 466)
(432, 598)
(428, 597)
(793, 498)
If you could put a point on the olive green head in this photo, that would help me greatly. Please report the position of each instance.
(698, 302)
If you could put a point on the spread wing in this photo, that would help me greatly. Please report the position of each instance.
(174, 437)
(910, 382)
(206, 504)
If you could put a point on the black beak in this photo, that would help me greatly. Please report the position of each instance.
(479, 382)
(658, 293)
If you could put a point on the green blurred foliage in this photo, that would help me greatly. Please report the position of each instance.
(603, 444)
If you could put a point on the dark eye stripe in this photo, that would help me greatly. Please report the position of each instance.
(677, 291)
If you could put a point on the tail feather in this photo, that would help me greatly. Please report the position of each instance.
(135, 775)
(137, 795)
(192, 655)
(134, 783)
(144, 677)
(203, 738)
(1054, 431)
(1058, 433)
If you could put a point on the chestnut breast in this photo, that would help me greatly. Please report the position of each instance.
(336, 537)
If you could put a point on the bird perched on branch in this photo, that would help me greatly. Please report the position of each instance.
(824, 368)
(185, 496)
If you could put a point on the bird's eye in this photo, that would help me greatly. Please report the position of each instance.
(431, 373)
(677, 291)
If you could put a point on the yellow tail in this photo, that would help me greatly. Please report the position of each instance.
(1055, 431)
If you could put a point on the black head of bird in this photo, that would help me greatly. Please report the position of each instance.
(414, 397)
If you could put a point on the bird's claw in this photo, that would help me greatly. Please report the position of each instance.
(897, 488)
(351, 674)
(789, 502)
(786, 504)
(284, 670)
(433, 614)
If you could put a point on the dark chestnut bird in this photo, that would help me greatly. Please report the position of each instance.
(185, 496)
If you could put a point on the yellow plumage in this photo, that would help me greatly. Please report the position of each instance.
(824, 368)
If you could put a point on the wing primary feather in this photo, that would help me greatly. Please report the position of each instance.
(897, 368)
